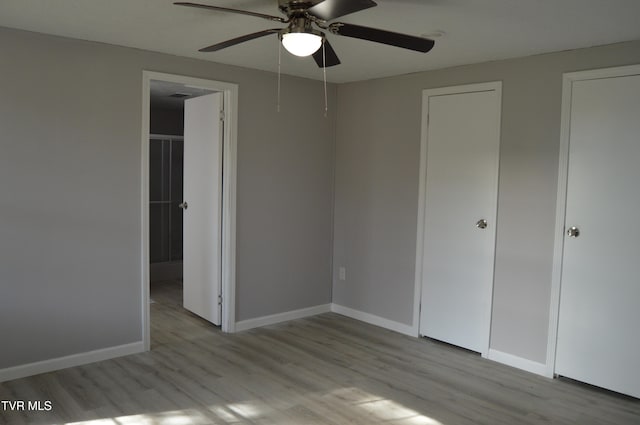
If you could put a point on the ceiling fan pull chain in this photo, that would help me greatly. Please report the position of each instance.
(279, 65)
(324, 75)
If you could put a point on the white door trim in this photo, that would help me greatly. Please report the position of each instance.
(467, 88)
(229, 161)
(561, 201)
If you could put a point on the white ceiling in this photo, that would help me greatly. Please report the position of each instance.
(475, 30)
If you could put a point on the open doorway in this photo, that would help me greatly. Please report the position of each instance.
(166, 162)
(188, 241)
(168, 205)
(166, 167)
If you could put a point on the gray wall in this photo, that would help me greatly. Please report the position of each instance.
(70, 201)
(377, 161)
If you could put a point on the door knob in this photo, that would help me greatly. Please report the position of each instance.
(183, 205)
(573, 232)
(481, 224)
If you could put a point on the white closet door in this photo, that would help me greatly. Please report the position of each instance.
(203, 197)
(463, 137)
(598, 337)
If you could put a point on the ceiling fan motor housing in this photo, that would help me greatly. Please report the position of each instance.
(296, 7)
(301, 24)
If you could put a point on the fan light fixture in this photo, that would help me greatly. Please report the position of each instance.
(301, 43)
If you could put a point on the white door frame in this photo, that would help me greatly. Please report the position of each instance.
(229, 164)
(467, 88)
(561, 201)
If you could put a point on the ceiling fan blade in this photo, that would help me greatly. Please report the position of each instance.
(330, 57)
(238, 40)
(226, 9)
(405, 41)
(332, 9)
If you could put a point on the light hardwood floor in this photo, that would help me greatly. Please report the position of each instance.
(326, 369)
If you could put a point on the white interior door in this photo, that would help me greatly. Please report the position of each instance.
(598, 338)
(463, 138)
(202, 198)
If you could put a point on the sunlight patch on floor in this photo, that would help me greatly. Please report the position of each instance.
(246, 410)
(177, 417)
(347, 403)
(389, 410)
(381, 409)
(223, 413)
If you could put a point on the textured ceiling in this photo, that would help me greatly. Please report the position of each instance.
(474, 30)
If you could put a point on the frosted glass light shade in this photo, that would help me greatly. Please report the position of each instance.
(301, 43)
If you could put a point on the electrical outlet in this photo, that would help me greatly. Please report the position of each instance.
(342, 273)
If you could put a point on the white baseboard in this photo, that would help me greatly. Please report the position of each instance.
(375, 320)
(519, 362)
(79, 359)
(281, 317)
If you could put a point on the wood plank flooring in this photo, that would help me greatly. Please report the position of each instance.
(326, 369)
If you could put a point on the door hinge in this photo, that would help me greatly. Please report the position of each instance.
(219, 299)
(222, 116)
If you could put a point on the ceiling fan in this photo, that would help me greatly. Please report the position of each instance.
(300, 37)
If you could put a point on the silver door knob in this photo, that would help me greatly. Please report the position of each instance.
(481, 224)
(573, 232)
(183, 205)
